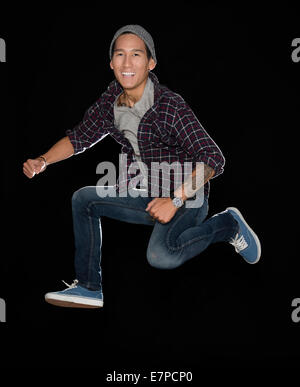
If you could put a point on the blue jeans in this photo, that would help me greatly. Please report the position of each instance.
(170, 245)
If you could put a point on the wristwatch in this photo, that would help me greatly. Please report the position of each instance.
(177, 201)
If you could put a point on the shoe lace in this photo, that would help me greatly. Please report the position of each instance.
(72, 286)
(239, 243)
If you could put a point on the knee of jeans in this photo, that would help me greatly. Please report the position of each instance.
(80, 197)
(161, 260)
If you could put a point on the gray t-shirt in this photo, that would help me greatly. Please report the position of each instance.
(127, 119)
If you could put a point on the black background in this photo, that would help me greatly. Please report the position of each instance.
(234, 68)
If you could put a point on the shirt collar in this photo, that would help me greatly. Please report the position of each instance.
(157, 88)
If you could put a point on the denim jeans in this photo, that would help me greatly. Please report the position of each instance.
(170, 245)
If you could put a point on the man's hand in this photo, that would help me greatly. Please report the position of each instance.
(33, 167)
(161, 209)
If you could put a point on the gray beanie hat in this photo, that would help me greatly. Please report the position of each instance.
(140, 32)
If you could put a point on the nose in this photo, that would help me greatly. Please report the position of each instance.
(127, 60)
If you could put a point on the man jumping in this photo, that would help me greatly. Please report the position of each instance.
(154, 125)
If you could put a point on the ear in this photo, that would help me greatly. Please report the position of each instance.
(111, 65)
(151, 64)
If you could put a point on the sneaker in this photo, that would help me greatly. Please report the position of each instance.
(76, 296)
(245, 242)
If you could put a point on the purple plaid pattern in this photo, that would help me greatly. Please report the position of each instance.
(168, 132)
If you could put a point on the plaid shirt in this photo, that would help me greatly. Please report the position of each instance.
(168, 132)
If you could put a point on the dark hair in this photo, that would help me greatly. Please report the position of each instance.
(148, 53)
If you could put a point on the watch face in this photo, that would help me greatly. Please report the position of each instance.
(177, 202)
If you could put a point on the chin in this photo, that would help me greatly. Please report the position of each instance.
(127, 83)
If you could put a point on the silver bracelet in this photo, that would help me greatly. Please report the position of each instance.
(43, 158)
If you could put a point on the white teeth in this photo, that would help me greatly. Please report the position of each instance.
(128, 74)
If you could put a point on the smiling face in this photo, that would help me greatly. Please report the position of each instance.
(130, 64)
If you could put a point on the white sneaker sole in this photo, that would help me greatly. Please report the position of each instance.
(73, 301)
(252, 233)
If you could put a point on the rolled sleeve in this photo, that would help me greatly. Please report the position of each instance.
(194, 140)
(89, 131)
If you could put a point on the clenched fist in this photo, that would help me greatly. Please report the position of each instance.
(161, 209)
(33, 167)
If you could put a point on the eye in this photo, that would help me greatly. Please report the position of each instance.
(136, 54)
